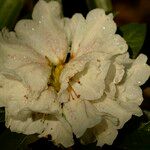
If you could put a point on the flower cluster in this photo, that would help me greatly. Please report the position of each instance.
(62, 76)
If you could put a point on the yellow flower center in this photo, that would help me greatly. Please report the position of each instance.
(54, 78)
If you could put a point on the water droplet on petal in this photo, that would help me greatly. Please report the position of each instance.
(42, 17)
(104, 28)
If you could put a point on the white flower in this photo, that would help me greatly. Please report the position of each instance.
(92, 94)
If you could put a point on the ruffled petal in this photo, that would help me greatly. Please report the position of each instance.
(76, 27)
(132, 94)
(11, 90)
(28, 126)
(82, 75)
(129, 91)
(60, 131)
(132, 107)
(32, 73)
(14, 96)
(95, 33)
(105, 133)
(74, 67)
(21, 63)
(45, 33)
(90, 83)
(119, 73)
(46, 103)
(15, 55)
(139, 72)
(113, 108)
(88, 137)
(81, 115)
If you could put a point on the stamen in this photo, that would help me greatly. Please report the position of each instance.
(70, 94)
(72, 90)
(48, 61)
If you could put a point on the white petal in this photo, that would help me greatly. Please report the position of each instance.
(67, 29)
(138, 74)
(18, 110)
(113, 45)
(111, 107)
(15, 55)
(124, 59)
(81, 115)
(95, 33)
(119, 73)
(11, 90)
(60, 132)
(44, 11)
(46, 103)
(105, 133)
(24, 64)
(77, 31)
(141, 59)
(98, 19)
(44, 33)
(32, 73)
(70, 70)
(88, 137)
(27, 127)
(111, 92)
(133, 94)
(90, 83)
(99, 26)
(132, 107)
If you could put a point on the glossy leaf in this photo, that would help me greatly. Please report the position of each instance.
(134, 34)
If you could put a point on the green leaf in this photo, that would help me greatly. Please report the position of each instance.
(145, 127)
(9, 11)
(105, 4)
(138, 140)
(2, 115)
(134, 34)
(15, 141)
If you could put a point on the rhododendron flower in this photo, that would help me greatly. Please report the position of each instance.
(62, 76)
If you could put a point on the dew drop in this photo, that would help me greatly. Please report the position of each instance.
(42, 17)
(104, 28)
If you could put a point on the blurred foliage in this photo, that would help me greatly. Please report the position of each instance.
(134, 34)
(138, 139)
(105, 4)
(14, 141)
(9, 12)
